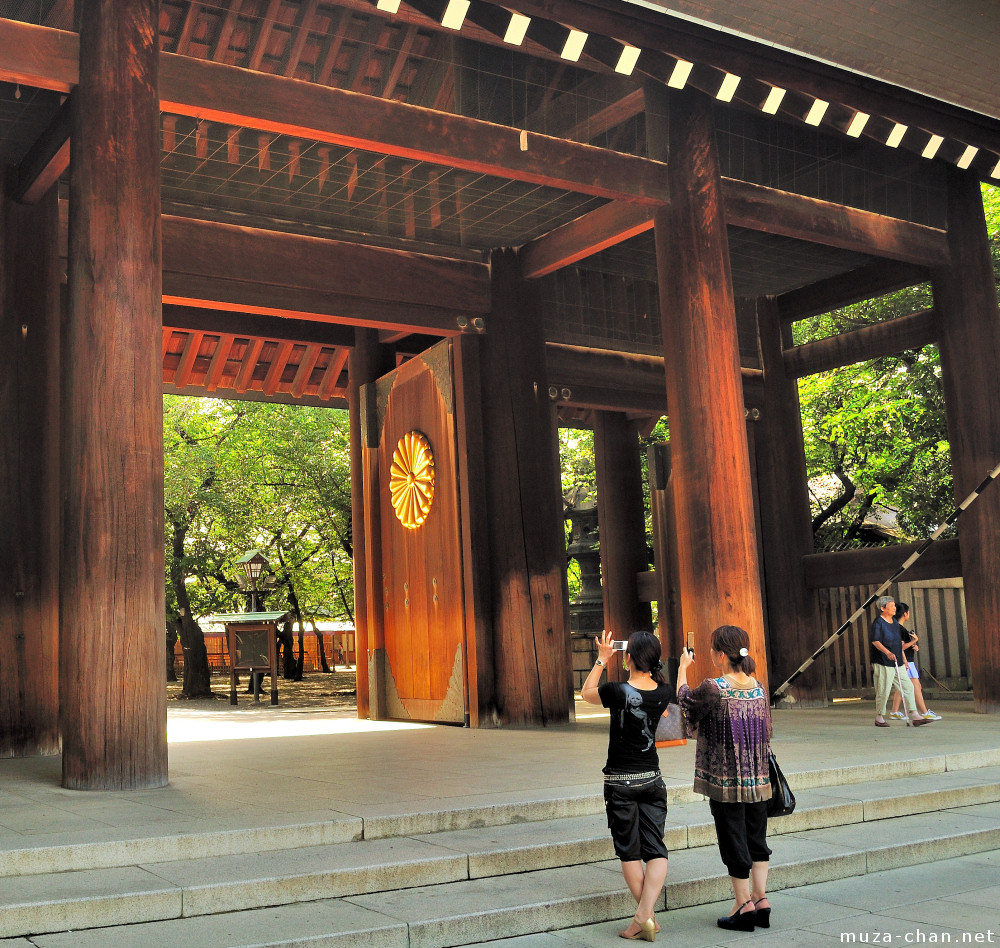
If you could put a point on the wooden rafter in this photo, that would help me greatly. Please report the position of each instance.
(186, 364)
(328, 386)
(302, 27)
(218, 364)
(304, 371)
(248, 365)
(187, 30)
(263, 37)
(279, 361)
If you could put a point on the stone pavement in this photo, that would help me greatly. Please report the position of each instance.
(951, 902)
(279, 768)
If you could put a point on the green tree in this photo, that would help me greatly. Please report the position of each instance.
(875, 432)
(243, 476)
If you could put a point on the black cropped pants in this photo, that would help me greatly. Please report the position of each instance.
(637, 815)
(742, 832)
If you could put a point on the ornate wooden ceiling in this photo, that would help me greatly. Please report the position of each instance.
(386, 132)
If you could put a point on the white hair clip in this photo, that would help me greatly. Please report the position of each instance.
(744, 652)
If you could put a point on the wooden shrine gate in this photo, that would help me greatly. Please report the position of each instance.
(410, 459)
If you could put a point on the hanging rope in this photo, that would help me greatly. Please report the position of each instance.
(779, 692)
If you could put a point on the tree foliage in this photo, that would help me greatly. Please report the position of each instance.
(242, 476)
(875, 432)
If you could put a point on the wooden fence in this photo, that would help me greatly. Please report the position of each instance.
(937, 615)
(338, 647)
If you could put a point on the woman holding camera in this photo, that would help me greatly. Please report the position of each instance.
(732, 716)
(635, 797)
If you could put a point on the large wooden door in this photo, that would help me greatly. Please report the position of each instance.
(422, 676)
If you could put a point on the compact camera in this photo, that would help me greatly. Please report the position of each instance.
(619, 646)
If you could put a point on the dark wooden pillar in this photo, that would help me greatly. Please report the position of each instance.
(965, 302)
(622, 522)
(793, 627)
(113, 714)
(29, 473)
(528, 588)
(670, 626)
(716, 543)
(473, 456)
(368, 361)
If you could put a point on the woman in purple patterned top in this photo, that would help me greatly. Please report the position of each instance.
(732, 717)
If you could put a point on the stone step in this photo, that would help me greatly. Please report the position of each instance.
(467, 911)
(925, 785)
(237, 882)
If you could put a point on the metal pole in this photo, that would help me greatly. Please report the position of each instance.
(779, 692)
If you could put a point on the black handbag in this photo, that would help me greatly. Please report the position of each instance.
(782, 800)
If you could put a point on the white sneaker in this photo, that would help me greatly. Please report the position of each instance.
(931, 716)
(897, 714)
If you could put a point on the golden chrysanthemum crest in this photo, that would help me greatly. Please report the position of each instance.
(411, 479)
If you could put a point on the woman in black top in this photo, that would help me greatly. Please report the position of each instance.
(634, 794)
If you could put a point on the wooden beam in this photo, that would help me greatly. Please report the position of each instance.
(792, 215)
(302, 27)
(618, 475)
(233, 96)
(913, 331)
(226, 267)
(611, 381)
(717, 558)
(197, 319)
(965, 298)
(39, 56)
(872, 566)
(605, 227)
(45, 161)
(283, 106)
(754, 207)
(863, 283)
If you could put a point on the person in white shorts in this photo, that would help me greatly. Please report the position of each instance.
(910, 643)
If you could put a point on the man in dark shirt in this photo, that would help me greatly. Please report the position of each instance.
(886, 655)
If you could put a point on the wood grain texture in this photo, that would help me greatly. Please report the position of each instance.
(874, 566)
(913, 331)
(969, 339)
(473, 458)
(716, 542)
(367, 361)
(785, 524)
(531, 634)
(245, 268)
(422, 567)
(113, 705)
(29, 471)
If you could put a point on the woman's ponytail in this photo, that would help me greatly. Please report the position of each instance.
(734, 643)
